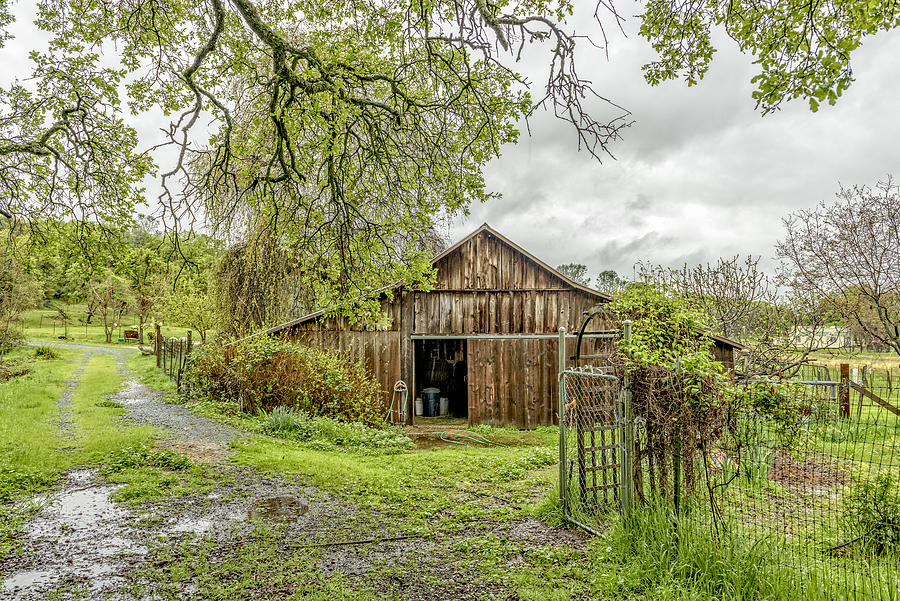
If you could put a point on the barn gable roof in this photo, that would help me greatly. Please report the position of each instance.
(485, 229)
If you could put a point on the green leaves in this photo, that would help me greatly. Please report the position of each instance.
(802, 49)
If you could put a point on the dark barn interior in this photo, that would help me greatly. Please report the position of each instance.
(441, 364)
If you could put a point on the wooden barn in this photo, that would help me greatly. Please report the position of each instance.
(485, 336)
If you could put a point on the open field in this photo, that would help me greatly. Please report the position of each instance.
(878, 362)
(46, 324)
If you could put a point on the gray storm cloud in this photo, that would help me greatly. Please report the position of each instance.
(700, 174)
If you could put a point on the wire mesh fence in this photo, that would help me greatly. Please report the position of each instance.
(592, 449)
(172, 356)
(808, 469)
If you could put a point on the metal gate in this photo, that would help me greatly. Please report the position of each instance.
(594, 408)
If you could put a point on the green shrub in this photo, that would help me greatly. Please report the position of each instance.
(325, 433)
(264, 373)
(872, 512)
(144, 456)
(46, 352)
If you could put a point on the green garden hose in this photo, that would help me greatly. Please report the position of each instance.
(400, 387)
(474, 437)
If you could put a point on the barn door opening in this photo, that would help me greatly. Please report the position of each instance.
(442, 365)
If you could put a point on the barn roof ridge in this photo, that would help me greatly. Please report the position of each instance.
(486, 227)
(483, 228)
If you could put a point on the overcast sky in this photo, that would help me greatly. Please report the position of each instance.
(698, 176)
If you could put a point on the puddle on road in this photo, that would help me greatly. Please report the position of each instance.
(285, 508)
(27, 579)
(78, 534)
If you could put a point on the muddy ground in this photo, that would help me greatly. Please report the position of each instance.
(82, 544)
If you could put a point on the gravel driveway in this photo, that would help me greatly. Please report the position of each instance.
(80, 539)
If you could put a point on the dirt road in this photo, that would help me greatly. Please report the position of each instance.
(223, 531)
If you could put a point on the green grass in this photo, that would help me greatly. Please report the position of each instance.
(100, 429)
(662, 556)
(29, 435)
(258, 568)
(33, 448)
(415, 491)
(45, 324)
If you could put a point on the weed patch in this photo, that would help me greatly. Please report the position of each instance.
(46, 352)
(16, 482)
(109, 405)
(143, 455)
(873, 513)
(324, 433)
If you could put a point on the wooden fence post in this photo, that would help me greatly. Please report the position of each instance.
(179, 367)
(158, 347)
(844, 402)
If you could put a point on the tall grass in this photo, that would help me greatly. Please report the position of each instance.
(665, 556)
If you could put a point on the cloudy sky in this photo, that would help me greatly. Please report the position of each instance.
(700, 174)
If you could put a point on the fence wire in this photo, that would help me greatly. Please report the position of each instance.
(813, 477)
(806, 472)
(172, 356)
(592, 446)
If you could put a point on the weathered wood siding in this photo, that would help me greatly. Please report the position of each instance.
(485, 262)
(499, 312)
(484, 286)
(724, 354)
(377, 348)
(514, 382)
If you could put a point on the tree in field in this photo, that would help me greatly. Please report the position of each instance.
(848, 253)
(110, 296)
(779, 326)
(145, 273)
(346, 127)
(153, 264)
(192, 306)
(19, 291)
(576, 272)
(609, 282)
